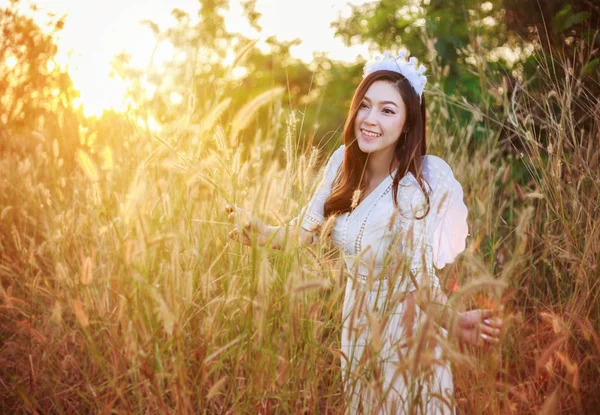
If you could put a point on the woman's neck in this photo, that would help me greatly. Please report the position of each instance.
(378, 166)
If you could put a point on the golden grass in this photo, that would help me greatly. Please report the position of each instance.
(120, 291)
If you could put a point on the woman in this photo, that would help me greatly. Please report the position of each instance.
(397, 213)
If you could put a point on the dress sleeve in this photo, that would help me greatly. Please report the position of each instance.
(437, 239)
(311, 216)
(415, 247)
(448, 226)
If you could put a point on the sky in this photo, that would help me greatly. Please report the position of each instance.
(96, 30)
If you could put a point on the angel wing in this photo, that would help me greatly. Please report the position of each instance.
(447, 224)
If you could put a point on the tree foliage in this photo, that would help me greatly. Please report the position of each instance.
(35, 94)
(448, 34)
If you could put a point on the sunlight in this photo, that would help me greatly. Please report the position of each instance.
(98, 91)
(239, 72)
(11, 62)
(175, 98)
(112, 27)
(149, 123)
(287, 20)
(487, 6)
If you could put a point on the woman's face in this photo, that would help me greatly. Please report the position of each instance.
(380, 118)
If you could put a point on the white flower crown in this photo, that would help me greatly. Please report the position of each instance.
(398, 64)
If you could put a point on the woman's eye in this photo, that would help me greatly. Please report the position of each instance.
(362, 105)
(388, 111)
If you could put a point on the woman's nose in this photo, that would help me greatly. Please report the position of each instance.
(371, 119)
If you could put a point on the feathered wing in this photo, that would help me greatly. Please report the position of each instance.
(447, 225)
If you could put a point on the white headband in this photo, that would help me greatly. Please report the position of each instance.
(398, 64)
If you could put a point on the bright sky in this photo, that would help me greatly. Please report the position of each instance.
(96, 30)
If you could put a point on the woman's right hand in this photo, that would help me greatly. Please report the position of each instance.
(246, 225)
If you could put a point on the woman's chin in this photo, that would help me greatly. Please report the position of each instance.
(367, 146)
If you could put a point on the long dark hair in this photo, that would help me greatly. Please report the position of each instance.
(408, 149)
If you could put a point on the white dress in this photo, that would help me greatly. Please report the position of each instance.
(391, 366)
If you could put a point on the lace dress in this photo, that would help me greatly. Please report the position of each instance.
(392, 363)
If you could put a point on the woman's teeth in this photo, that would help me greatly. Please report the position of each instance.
(370, 134)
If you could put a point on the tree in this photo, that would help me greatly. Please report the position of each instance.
(35, 94)
(449, 36)
(213, 69)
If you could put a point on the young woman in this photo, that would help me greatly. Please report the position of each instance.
(397, 213)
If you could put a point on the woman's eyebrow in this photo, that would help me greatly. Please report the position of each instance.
(383, 102)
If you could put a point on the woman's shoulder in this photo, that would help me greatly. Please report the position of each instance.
(434, 166)
(434, 169)
(439, 178)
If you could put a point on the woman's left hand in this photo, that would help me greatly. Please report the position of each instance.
(479, 326)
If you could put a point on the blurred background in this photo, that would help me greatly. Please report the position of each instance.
(125, 126)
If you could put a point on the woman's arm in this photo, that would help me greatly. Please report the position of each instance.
(470, 327)
(276, 235)
(265, 234)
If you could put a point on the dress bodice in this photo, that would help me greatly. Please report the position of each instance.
(366, 235)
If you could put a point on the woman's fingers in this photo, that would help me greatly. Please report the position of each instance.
(233, 209)
(490, 331)
(234, 213)
(481, 326)
(489, 339)
(495, 322)
(242, 236)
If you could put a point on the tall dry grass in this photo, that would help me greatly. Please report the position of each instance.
(120, 291)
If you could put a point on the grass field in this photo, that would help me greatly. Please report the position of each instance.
(121, 293)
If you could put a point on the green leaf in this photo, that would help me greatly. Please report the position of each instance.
(575, 19)
(560, 18)
(590, 66)
(565, 20)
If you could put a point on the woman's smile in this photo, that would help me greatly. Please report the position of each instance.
(369, 135)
